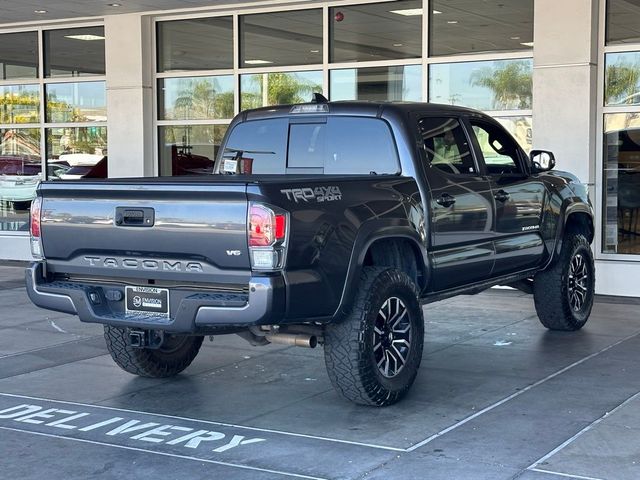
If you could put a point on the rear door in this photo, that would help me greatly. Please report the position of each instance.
(518, 197)
(461, 206)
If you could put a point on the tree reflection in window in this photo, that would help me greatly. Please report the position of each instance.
(279, 88)
(197, 98)
(511, 85)
(622, 79)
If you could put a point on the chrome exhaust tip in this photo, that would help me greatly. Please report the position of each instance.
(294, 339)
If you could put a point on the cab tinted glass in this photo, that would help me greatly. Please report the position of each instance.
(446, 146)
(334, 145)
(499, 150)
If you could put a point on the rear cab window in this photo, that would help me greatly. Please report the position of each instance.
(330, 145)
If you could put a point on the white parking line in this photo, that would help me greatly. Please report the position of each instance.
(566, 475)
(516, 394)
(570, 440)
(164, 454)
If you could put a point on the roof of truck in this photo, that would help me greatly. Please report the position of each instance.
(350, 107)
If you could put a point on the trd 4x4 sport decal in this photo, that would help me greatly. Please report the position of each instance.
(317, 194)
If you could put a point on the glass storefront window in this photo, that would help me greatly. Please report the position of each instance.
(485, 85)
(76, 102)
(521, 128)
(19, 104)
(403, 82)
(379, 31)
(470, 26)
(281, 38)
(195, 98)
(622, 78)
(264, 89)
(18, 55)
(74, 52)
(189, 149)
(195, 44)
(621, 162)
(76, 152)
(20, 173)
(622, 20)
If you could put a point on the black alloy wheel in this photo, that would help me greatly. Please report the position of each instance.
(392, 337)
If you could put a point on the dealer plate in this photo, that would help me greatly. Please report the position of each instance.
(148, 300)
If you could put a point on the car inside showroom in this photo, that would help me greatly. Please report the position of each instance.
(389, 184)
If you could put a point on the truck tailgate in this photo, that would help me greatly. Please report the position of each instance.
(160, 229)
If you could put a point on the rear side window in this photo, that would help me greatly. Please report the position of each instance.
(446, 146)
(329, 145)
(343, 145)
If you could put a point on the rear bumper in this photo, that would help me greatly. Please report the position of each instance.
(192, 310)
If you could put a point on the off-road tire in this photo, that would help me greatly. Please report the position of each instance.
(349, 345)
(164, 362)
(551, 287)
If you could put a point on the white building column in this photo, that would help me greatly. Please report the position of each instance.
(565, 55)
(129, 50)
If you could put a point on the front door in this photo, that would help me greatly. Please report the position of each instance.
(461, 205)
(518, 197)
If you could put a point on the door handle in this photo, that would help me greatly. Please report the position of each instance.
(446, 200)
(501, 196)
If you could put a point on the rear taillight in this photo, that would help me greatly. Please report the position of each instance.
(36, 238)
(267, 234)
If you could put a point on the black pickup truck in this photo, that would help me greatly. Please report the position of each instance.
(325, 223)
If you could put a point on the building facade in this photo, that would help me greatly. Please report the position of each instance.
(124, 90)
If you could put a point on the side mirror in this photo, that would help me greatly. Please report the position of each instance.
(542, 160)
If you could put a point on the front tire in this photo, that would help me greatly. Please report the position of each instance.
(564, 293)
(372, 356)
(171, 358)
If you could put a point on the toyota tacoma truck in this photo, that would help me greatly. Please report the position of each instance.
(326, 223)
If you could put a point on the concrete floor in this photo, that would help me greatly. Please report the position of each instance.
(497, 397)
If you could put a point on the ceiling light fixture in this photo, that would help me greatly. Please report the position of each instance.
(527, 44)
(115, 4)
(39, 12)
(314, 51)
(514, 38)
(452, 22)
(257, 62)
(88, 37)
(398, 44)
(407, 12)
(436, 12)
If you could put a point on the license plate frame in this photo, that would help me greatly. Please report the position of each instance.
(146, 300)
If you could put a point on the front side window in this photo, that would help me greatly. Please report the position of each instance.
(499, 150)
(446, 146)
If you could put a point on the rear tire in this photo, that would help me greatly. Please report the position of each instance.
(173, 357)
(564, 293)
(372, 356)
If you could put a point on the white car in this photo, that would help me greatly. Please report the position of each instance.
(19, 178)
